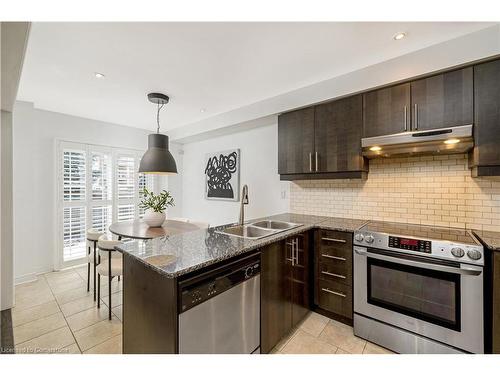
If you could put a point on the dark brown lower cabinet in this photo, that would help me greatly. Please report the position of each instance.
(333, 274)
(285, 296)
(496, 303)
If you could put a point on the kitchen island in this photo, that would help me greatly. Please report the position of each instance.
(154, 269)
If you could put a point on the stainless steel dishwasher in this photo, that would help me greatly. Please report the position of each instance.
(220, 309)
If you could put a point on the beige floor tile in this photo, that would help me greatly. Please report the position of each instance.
(38, 327)
(33, 313)
(115, 287)
(76, 284)
(72, 349)
(78, 305)
(304, 343)
(314, 324)
(86, 318)
(73, 294)
(116, 299)
(340, 351)
(280, 345)
(111, 346)
(32, 298)
(371, 348)
(342, 336)
(118, 311)
(58, 274)
(33, 286)
(49, 343)
(98, 333)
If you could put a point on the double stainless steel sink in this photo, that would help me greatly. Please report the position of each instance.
(259, 229)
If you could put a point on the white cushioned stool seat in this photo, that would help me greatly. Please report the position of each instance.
(93, 234)
(116, 267)
(108, 244)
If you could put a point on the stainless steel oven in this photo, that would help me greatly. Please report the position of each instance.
(413, 295)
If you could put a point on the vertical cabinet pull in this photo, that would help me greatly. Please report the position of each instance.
(406, 118)
(310, 162)
(416, 116)
(316, 161)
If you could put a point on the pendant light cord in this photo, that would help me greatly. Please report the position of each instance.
(158, 116)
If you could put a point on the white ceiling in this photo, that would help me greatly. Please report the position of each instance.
(213, 66)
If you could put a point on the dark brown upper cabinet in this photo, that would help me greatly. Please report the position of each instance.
(386, 111)
(296, 141)
(337, 136)
(485, 158)
(443, 100)
(322, 141)
(440, 101)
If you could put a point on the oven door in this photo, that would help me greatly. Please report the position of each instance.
(441, 300)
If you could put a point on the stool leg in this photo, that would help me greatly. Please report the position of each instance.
(109, 283)
(88, 273)
(98, 290)
(95, 265)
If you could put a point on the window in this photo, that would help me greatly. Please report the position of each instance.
(98, 186)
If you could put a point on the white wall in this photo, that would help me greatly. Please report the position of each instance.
(258, 169)
(35, 134)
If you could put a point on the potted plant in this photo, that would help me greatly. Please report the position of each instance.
(155, 205)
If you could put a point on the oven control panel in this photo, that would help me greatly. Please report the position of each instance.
(412, 244)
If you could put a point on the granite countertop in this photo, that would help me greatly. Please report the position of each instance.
(182, 253)
(489, 239)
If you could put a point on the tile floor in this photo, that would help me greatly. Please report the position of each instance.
(55, 314)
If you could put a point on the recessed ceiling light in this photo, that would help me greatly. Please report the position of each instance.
(452, 141)
(375, 148)
(399, 36)
(203, 110)
(99, 75)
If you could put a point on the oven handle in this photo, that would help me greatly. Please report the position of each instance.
(463, 270)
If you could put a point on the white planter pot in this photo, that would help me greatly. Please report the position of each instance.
(154, 219)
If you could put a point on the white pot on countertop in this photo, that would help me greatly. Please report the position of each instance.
(154, 219)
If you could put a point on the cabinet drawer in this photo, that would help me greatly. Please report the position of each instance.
(335, 239)
(339, 271)
(334, 254)
(335, 297)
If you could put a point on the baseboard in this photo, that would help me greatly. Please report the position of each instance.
(27, 278)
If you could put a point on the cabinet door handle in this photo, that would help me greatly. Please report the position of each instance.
(310, 162)
(406, 118)
(332, 292)
(296, 251)
(333, 274)
(333, 257)
(416, 116)
(292, 252)
(333, 240)
(316, 161)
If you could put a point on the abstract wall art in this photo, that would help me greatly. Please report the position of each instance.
(222, 175)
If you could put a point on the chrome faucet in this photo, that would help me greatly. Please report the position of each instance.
(244, 200)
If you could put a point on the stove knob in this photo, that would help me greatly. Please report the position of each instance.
(458, 252)
(369, 238)
(359, 237)
(474, 254)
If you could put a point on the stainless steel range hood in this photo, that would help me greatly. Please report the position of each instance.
(437, 141)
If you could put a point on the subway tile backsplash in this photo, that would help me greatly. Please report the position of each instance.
(432, 190)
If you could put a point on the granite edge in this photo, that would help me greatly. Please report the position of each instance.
(258, 243)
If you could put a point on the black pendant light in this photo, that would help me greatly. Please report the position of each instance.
(158, 158)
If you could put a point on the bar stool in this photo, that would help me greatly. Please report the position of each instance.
(92, 236)
(110, 265)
